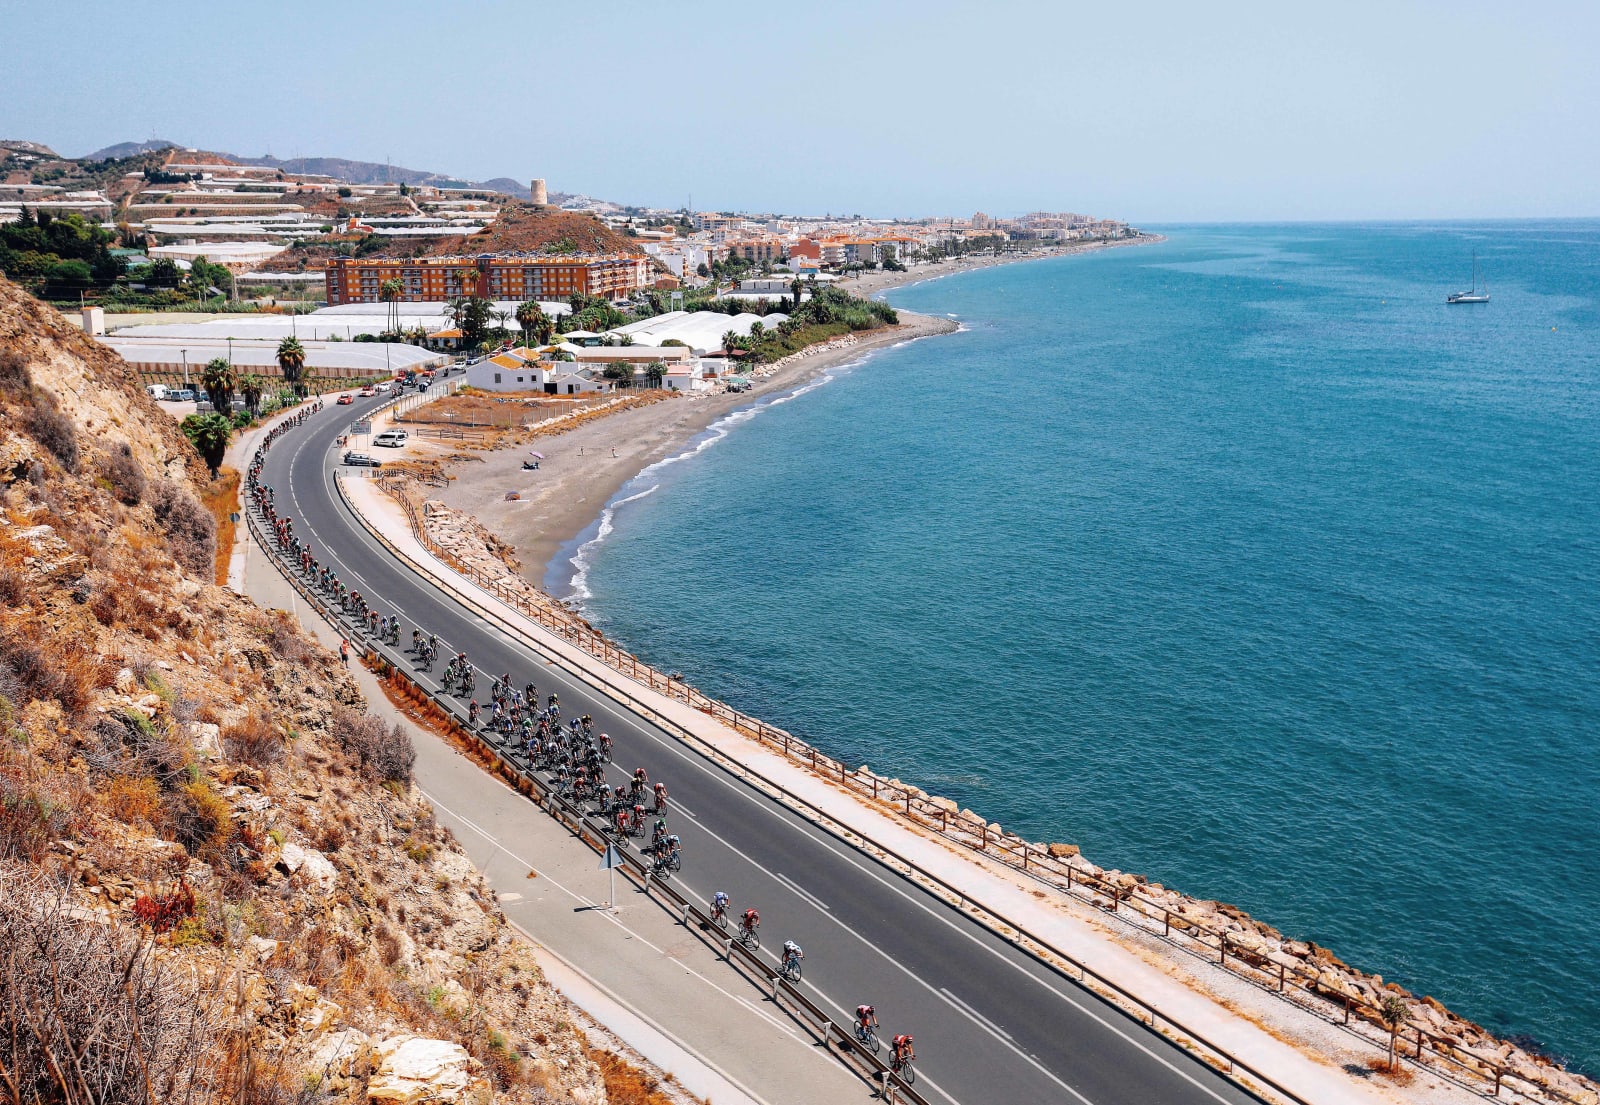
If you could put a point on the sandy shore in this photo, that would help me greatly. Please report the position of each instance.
(584, 467)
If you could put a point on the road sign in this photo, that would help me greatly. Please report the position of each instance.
(233, 516)
(362, 426)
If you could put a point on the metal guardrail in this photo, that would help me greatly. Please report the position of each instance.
(595, 834)
(1181, 931)
(998, 923)
(1300, 985)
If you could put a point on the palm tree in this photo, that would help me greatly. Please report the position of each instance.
(731, 341)
(218, 382)
(292, 362)
(794, 289)
(757, 332)
(455, 306)
(209, 434)
(654, 372)
(528, 315)
(390, 292)
(544, 328)
(251, 386)
(1395, 1015)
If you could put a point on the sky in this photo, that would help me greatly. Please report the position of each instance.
(1152, 112)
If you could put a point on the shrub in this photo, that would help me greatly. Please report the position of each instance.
(132, 799)
(286, 640)
(14, 374)
(199, 820)
(126, 477)
(54, 431)
(27, 672)
(190, 528)
(117, 1024)
(253, 741)
(30, 818)
(382, 753)
(162, 912)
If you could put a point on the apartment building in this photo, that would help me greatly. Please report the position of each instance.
(493, 276)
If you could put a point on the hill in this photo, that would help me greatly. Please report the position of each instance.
(129, 149)
(521, 227)
(217, 881)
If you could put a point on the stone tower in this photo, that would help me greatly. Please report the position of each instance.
(540, 198)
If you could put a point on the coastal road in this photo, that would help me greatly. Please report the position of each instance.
(992, 1024)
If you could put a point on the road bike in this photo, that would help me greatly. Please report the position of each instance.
(867, 1036)
(790, 968)
(750, 935)
(904, 1068)
(719, 916)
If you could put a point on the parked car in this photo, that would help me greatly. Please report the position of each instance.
(362, 460)
(346, 399)
(181, 395)
(390, 439)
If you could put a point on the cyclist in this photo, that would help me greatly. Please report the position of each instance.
(792, 955)
(719, 906)
(472, 713)
(866, 1021)
(661, 798)
(751, 922)
(904, 1052)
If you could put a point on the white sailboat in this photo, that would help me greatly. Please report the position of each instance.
(1474, 296)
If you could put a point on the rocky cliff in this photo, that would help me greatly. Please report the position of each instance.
(216, 879)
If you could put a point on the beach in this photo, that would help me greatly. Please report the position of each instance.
(584, 467)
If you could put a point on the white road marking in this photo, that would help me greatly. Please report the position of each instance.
(974, 1014)
(787, 1030)
(651, 732)
(792, 885)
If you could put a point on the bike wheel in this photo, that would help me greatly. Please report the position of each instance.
(908, 1072)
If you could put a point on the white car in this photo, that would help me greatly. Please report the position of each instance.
(382, 387)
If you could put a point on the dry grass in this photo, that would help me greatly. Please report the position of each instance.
(625, 1083)
(221, 498)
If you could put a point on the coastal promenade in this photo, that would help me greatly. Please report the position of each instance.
(986, 1014)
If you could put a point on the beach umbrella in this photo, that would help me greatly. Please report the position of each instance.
(531, 453)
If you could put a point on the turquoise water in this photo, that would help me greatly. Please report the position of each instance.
(1240, 560)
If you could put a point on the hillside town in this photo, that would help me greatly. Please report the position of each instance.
(174, 257)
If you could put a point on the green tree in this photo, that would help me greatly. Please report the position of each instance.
(250, 387)
(654, 372)
(390, 292)
(1395, 1015)
(794, 290)
(757, 332)
(475, 315)
(731, 341)
(209, 434)
(622, 374)
(68, 279)
(292, 363)
(528, 316)
(218, 382)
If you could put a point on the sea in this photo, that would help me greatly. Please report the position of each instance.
(1239, 560)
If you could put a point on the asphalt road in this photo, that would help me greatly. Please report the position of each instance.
(992, 1024)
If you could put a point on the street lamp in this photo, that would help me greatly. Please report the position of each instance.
(185, 353)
